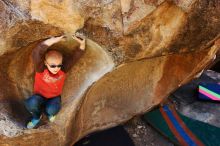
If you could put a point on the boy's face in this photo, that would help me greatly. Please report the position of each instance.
(53, 64)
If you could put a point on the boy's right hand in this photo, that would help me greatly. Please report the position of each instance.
(81, 40)
(53, 40)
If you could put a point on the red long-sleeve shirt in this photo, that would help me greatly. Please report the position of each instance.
(47, 84)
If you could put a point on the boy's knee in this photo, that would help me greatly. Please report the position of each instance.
(53, 109)
(33, 102)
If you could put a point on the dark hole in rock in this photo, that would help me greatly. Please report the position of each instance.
(116, 136)
(216, 66)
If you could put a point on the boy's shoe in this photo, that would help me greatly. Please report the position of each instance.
(33, 123)
(52, 118)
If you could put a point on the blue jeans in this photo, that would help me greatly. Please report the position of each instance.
(36, 104)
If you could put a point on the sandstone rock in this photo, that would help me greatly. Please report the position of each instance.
(134, 11)
(156, 45)
(167, 29)
(17, 83)
(58, 13)
(136, 87)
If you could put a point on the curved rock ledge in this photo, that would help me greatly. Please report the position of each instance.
(19, 81)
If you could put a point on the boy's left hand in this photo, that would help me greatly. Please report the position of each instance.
(53, 40)
(81, 41)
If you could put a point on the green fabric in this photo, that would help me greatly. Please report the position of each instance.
(208, 134)
(155, 119)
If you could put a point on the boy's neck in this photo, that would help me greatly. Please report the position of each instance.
(51, 72)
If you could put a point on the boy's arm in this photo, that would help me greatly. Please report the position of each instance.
(39, 52)
(70, 61)
(38, 56)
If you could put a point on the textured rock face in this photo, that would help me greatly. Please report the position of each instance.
(137, 53)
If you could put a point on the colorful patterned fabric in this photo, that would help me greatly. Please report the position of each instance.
(178, 128)
(209, 92)
(182, 130)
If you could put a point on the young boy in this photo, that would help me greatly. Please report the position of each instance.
(50, 75)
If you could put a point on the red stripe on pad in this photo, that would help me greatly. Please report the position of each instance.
(185, 128)
(172, 128)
